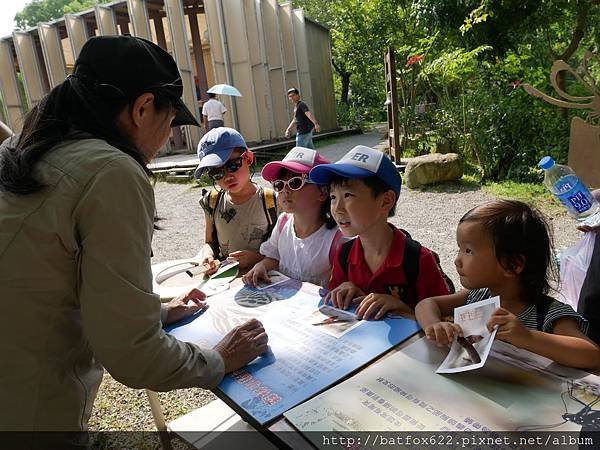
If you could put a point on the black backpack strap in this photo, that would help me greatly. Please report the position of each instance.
(541, 309)
(410, 264)
(412, 276)
(269, 201)
(343, 255)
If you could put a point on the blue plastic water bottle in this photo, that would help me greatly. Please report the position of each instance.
(570, 191)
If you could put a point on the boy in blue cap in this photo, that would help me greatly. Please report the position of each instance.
(240, 215)
(370, 270)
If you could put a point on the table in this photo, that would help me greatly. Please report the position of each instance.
(309, 359)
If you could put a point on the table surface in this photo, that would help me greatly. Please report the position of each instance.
(280, 431)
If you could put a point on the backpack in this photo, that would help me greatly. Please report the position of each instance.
(269, 203)
(412, 254)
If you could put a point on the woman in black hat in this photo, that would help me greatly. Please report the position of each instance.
(76, 222)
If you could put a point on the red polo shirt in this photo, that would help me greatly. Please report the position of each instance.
(389, 277)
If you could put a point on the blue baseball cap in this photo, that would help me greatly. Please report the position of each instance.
(216, 146)
(360, 162)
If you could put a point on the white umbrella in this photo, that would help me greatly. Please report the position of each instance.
(224, 89)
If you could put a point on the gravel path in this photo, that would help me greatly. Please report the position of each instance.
(429, 215)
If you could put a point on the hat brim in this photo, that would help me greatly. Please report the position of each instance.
(183, 115)
(322, 173)
(272, 169)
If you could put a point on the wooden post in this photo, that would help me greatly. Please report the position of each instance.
(198, 55)
(395, 151)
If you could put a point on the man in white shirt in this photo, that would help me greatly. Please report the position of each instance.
(212, 113)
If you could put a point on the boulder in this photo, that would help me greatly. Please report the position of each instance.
(433, 168)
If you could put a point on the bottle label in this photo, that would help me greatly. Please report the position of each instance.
(573, 195)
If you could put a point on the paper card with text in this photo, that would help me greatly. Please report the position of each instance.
(471, 350)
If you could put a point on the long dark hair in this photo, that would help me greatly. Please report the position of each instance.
(519, 231)
(75, 109)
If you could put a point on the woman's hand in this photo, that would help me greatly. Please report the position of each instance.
(185, 305)
(242, 344)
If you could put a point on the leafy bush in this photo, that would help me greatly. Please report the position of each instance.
(510, 131)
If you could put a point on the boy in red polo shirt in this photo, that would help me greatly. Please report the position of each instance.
(364, 187)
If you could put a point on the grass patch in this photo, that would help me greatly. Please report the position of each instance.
(327, 141)
(527, 192)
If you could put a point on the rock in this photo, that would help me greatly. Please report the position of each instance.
(433, 168)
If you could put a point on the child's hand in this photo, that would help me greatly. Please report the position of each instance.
(342, 296)
(443, 333)
(375, 306)
(510, 328)
(210, 264)
(258, 272)
(246, 258)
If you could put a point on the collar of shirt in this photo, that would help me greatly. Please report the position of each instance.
(393, 259)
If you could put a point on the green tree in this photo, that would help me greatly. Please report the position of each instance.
(45, 10)
(361, 31)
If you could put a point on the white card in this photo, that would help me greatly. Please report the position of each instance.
(471, 351)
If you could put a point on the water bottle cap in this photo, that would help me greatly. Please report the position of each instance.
(546, 162)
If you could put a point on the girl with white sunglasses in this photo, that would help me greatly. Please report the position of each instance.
(305, 237)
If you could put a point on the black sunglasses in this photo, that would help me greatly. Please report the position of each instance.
(231, 166)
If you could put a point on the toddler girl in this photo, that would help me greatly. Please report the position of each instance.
(504, 249)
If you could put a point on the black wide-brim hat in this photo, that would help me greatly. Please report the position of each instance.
(131, 66)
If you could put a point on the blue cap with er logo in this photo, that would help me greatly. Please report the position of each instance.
(360, 162)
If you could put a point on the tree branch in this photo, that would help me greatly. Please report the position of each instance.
(339, 70)
(580, 24)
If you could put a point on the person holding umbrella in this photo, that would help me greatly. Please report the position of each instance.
(212, 112)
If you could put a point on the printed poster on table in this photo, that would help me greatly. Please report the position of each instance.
(515, 391)
(304, 356)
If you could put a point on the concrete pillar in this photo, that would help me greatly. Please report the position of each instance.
(290, 63)
(138, 16)
(106, 20)
(221, 62)
(269, 12)
(9, 88)
(77, 31)
(30, 67)
(53, 53)
(181, 53)
(300, 42)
